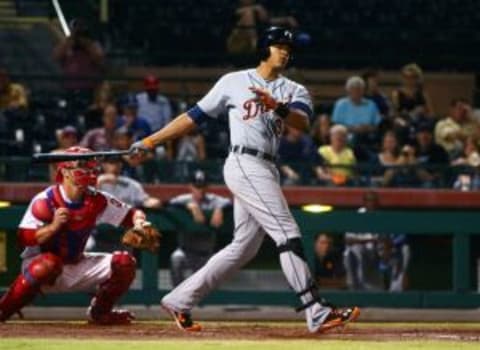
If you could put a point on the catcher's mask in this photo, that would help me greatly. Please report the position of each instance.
(83, 172)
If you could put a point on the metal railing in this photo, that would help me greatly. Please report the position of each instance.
(20, 169)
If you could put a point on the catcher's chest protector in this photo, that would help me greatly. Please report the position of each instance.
(69, 244)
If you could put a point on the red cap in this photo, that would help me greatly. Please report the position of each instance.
(150, 82)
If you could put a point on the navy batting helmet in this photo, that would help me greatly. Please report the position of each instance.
(272, 36)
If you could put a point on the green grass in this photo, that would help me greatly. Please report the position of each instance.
(55, 344)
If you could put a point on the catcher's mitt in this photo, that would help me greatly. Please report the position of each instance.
(144, 237)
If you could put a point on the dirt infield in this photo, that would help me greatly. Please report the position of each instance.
(243, 331)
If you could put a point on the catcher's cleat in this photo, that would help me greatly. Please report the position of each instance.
(114, 317)
(339, 318)
(183, 320)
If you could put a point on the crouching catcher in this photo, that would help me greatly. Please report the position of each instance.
(54, 231)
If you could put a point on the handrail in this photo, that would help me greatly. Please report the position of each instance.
(17, 168)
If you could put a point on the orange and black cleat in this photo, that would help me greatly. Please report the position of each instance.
(183, 320)
(339, 318)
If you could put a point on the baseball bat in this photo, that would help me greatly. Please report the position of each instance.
(61, 18)
(64, 157)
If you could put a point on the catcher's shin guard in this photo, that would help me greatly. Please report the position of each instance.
(44, 269)
(123, 272)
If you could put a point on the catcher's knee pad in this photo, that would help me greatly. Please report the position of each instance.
(293, 245)
(44, 269)
(123, 266)
(123, 272)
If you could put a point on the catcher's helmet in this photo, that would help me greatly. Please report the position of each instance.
(84, 172)
(272, 36)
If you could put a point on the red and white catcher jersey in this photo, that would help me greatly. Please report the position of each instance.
(69, 243)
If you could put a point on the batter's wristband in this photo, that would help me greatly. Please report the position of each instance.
(282, 110)
(148, 142)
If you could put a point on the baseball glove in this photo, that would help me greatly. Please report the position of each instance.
(144, 237)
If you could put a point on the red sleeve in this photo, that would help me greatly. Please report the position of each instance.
(128, 220)
(27, 237)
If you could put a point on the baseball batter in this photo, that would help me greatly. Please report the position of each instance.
(258, 103)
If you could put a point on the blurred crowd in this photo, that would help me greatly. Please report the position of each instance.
(371, 139)
(365, 138)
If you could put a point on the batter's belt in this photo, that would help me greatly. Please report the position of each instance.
(253, 152)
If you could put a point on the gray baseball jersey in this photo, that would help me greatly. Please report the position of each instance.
(210, 201)
(199, 241)
(250, 125)
(260, 207)
(127, 190)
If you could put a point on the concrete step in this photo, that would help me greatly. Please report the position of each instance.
(7, 12)
(7, 5)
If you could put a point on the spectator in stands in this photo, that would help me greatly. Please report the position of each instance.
(153, 106)
(336, 158)
(329, 270)
(451, 132)
(360, 255)
(429, 154)
(191, 148)
(358, 114)
(411, 101)
(296, 153)
(321, 130)
(469, 177)
(206, 209)
(373, 92)
(388, 155)
(66, 138)
(470, 155)
(12, 95)
(407, 173)
(250, 19)
(138, 125)
(103, 96)
(124, 188)
(81, 59)
(101, 139)
(122, 140)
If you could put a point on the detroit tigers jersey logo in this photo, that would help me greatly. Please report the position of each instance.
(252, 109)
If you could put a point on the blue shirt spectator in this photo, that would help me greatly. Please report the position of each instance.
(138, 126)
(348, 113)
(295, 148)
(354, 111)
(152, 106)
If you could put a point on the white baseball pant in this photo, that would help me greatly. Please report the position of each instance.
(259, 207)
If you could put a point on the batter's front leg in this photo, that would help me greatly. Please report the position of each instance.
(258, 190)
(247, 240)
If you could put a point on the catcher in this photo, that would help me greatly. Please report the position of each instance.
(54, 231)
